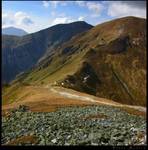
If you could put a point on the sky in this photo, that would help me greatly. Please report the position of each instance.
(33, 16)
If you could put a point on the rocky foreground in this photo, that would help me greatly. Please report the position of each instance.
(90, 125)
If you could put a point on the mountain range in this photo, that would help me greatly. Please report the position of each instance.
(107, 60)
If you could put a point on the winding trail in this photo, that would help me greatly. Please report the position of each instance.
(48, 98)
(75, 95)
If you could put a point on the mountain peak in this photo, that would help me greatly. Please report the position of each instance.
(75, 22)
(14, 31)
(80, 23)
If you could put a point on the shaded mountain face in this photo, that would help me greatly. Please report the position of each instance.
(13, 31)
(108, 61)
(21, 53)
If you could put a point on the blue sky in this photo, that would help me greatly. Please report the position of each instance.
(33, 16)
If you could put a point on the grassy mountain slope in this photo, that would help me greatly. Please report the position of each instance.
(107, 61)
(22, 53)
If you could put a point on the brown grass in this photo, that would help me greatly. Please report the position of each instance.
(23, 140)
(5, 113)
(134, 111)
(40, 99)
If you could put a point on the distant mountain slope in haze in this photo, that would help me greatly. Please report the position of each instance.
(21, 53)
(13, 31)
(108, 61)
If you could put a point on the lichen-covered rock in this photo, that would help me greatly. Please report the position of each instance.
(67, 126)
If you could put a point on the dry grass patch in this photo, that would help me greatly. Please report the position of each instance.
(134, 111)
(23, 140)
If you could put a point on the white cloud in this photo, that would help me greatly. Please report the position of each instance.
(95, 7)
(19, 20)
(65, 19)
(46, 4)
(4, 15)
(62, 20)
(22, 18)
(7, 19)
(54, 4)
(81, 18)
(4, 18)
(120, 9)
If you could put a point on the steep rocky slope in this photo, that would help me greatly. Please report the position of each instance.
(21, 53)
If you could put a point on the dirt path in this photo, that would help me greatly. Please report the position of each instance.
(49, 98)
(89, 98)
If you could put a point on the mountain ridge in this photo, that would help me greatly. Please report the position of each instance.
(32, 47)
(13, 31)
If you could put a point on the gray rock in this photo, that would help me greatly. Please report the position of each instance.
(54, 141)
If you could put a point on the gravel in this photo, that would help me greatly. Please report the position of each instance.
(69, 126)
